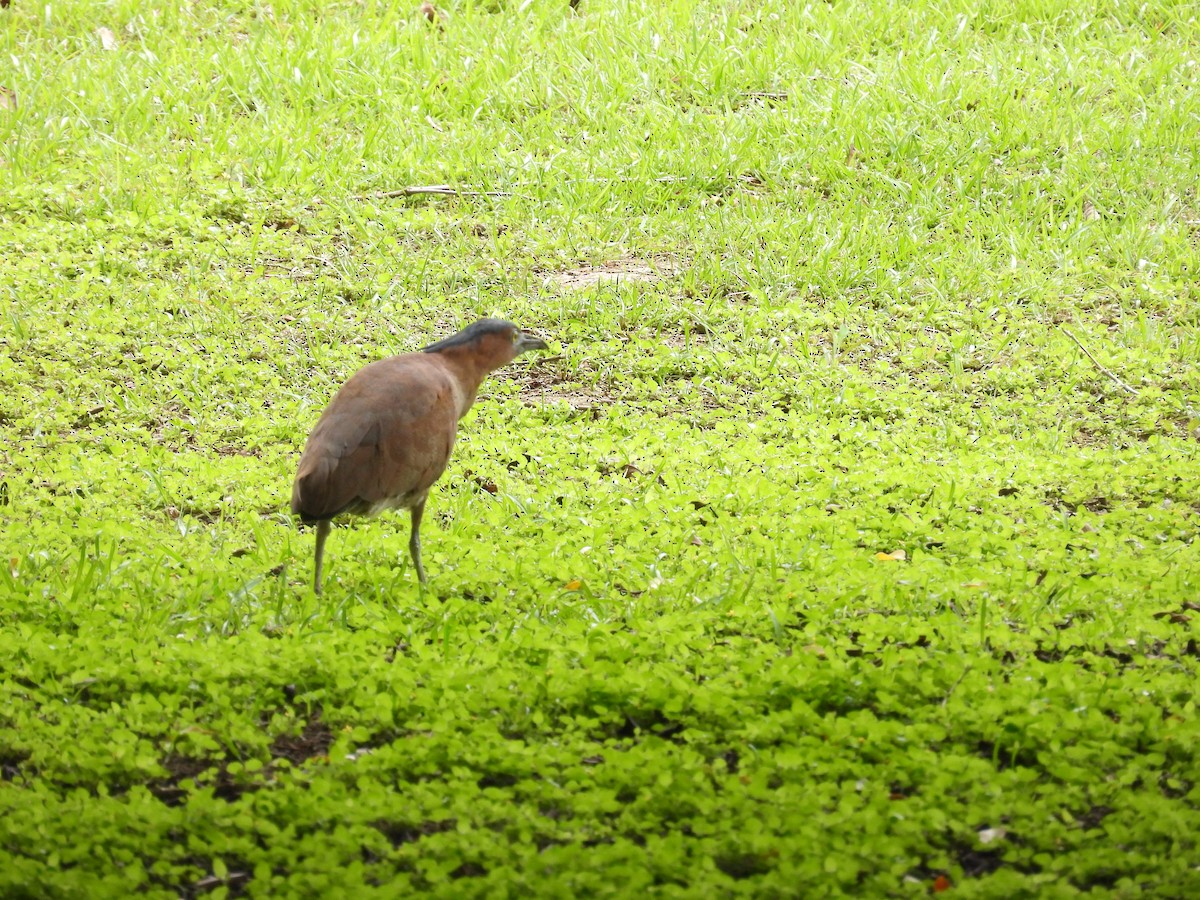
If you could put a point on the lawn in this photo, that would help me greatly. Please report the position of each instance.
(844, 542)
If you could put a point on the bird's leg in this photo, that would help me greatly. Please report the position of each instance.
(322, 533)
(414, 539)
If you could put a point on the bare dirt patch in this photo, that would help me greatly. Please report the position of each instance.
(612, 272)
(544, 387)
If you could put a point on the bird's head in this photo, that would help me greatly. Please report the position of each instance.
(489, 343)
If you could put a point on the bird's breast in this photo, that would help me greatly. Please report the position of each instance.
(407, 500)
(461, 396)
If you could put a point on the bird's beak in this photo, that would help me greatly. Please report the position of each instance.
(529, 341)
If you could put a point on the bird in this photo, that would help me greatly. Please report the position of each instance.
(386, 436)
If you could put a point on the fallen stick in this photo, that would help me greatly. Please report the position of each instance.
(436, 190)
(1117, 381)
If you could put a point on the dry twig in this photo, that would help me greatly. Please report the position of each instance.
(1117, 381)
(436, 190)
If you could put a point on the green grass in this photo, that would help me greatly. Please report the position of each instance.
(666, 653)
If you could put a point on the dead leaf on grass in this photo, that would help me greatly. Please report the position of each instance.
(108, 40)
(1175, 618)
(484, 484)
(894, 556)
(431, 14)
(1090, 213)
(8, 98)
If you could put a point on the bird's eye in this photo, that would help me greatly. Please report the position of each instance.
(516, 336)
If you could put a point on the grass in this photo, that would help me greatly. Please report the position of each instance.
(808, 273)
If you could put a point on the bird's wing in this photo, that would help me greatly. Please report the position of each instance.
(375, 446)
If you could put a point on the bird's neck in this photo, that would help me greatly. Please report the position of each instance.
(468, 373)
